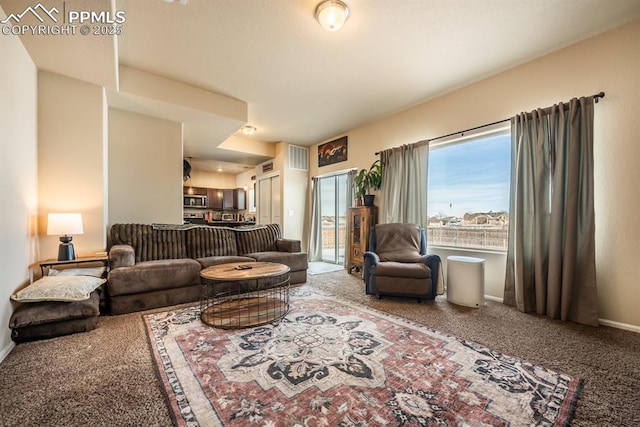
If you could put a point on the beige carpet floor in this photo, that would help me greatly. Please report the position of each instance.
(106, 377)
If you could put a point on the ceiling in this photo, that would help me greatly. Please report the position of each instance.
(302, 84)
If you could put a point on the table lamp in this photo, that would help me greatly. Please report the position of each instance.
(65, 224)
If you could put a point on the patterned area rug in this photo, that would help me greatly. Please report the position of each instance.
(333, 363)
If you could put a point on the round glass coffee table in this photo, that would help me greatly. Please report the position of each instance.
(245, 294)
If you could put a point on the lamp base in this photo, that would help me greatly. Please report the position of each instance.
(66, 252)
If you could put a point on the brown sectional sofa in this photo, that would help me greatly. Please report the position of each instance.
(159, 265)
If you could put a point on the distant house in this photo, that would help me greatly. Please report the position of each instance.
(492, 219)
(443, 221)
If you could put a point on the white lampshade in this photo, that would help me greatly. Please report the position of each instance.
(64, 224)
(332, 14)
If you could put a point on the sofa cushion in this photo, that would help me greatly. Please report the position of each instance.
(120, 304)
(288, 245)
(153, 275)
(150, 243)
(399, 269)
(398, 242)
(59, 288)
(217, 260)
(38, 313)
(296, 261)
(54, 329)
(257, 239)
(207, 241)
(80, 271)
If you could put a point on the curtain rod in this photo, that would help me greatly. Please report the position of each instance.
(596, 98)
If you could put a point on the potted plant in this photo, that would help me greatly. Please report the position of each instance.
(367, 180)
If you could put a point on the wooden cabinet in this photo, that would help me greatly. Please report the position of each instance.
(229, 198)
(234, 199)
(215, 198)
(360, 219)
(219, 199)
(194, 191)
(241, 199)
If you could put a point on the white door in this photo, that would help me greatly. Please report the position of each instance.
(269, 201)
(275, 201)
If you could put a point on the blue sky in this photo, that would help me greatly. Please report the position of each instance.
(470, 177)
(464, 177)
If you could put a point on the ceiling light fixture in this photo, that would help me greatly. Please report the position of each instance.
(332, 14)
(248, 130)
(182, 2)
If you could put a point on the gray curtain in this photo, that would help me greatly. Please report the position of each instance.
(315, 232)
(551, 253)
(404, 184)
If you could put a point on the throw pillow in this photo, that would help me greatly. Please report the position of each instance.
(86, 271)
(59, 288)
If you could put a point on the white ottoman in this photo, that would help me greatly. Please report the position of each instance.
(465, 281)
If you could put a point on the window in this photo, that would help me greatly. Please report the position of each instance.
(468, 194)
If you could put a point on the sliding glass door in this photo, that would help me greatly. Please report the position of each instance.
(333, 211)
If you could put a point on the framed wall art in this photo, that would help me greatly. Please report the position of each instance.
(332, 152)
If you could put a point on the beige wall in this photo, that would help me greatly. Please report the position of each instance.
(244, 178)
(145, 169)
(71, 163)
(293, 192)
(18, 176)
(276, 170)
(609, 62)
(206, 179)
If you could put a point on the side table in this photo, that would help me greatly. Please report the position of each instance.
(104, 259)
(465, 281)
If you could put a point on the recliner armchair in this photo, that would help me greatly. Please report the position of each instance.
(397, 263)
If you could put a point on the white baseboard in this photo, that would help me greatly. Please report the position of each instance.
(603, 322)
(5, 351)
(619, 325)
(492, 298)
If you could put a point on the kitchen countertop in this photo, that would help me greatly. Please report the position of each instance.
(222, 223)
(215, 222)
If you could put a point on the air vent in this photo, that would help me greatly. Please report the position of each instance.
(298, 158)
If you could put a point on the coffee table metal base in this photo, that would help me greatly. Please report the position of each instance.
(234, 305)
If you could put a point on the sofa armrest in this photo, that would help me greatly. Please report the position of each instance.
(288, 245)
(121, 256)
(435, 265)
(371, 258)
(370, 261)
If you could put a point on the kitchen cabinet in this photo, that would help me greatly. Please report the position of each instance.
(194, 191)
(219, 199)
(228, 200)
(361, 220)
(215, 198)
(241, 199)
(234, 199)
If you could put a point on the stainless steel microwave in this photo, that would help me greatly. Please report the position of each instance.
(195, 201)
